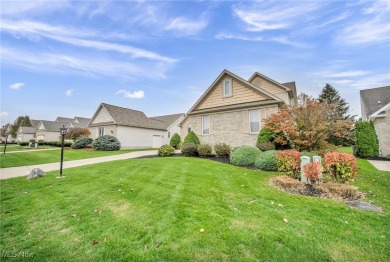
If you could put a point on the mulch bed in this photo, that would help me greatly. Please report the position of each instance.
(326, 190)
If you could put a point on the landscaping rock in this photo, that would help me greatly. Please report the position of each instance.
(36, 173)
(364, 206)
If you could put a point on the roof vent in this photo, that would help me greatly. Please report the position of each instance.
(379, 102)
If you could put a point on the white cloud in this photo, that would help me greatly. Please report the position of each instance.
(136, 94)
(3, 117)
(83, 64)
(22, 8)
(32, 30)
(264, 16)
(16, 86)
(69, 92)
(371, 26)
(338, 74)
(186, 26)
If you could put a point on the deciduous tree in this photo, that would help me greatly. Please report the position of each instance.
(20, 121)
(77, 132)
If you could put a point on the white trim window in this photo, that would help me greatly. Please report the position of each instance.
(101, 131)
(254, 121)
(205, 125)
(227, 88)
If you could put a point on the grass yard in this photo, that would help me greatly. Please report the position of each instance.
(52, 156)
(153, 210)
(11, 148)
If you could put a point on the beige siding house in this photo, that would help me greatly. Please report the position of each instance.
(49, 130)
(375, 106)
(25, 134)
(232, 109)
(133, 128)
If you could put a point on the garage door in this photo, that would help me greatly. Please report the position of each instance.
(41, 137)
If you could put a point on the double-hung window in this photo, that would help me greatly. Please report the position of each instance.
(227, 88)
(205, 125)
(101, 131)
(254, 121)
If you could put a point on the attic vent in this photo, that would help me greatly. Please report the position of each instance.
(379, 102)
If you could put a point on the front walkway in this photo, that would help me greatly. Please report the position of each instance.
(10, 172)
(29, 150)
(381, 165)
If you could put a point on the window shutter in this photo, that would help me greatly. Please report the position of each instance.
(211, 124)
(245, 121)
(263, 115)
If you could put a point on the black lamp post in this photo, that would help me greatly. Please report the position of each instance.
(6, 140)
(63, 133)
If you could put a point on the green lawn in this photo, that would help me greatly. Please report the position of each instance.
(11, 148)
(153, 210)
(52, 156)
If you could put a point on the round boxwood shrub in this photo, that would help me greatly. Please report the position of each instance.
(191, 137)
(366, 140)
(265, 135)
(82, 143)
(189, 149)
(266, 161)
(166, 150)
(175, 141)
(204, 150)
(222, 150)
(106, 143)
(265, 146)
(244, 156)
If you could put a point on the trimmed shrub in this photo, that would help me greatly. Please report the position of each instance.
(175, 141)
(166, 150)
(289, 161)
(82, 143)
(222, 150)
(244, 156)
(180, 145)
(342, 167)
(313, 171)
(189, 149)
(106, 143)
(266, 161)
(388, 156)
(23, 143)
(266, 135)
(366, 140)
(191, 137)
(204, 150)
(265, 146)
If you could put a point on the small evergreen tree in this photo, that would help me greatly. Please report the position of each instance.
(366, 140)
(330, 95)
(191, 137)
(175, 141)
(20, 121)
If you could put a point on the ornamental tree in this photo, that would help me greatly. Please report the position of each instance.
(307, 126)
(75, 133)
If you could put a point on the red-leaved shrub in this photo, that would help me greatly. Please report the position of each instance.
(313, 171)
(341, 166)
(288, 161)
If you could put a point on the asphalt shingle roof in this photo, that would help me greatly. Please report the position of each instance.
(168, 119)
(28, 129)
(63, 119)
(83, 122)
(371, 97)
(53, 125)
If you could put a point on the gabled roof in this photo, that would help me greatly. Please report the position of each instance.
(374, 99)
(271, 80)
(168, 119)
(380, 112)
(52, 126)
(79, 122)
(27, 130)
(129, 117)
(34, 122)
(250, 85)
(63, 119)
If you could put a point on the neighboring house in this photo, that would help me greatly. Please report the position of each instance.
(24, 134)
(232, 109)
(61, 119)
(34, 122)
(79, 122)
(49, 130)
(375, 105)
(133, 128)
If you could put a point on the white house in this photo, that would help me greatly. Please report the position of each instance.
(133, 128)
(25, 134)
(49, 130)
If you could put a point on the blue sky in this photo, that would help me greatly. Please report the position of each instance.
(63, 58)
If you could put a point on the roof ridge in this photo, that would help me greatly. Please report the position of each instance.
(123, 108)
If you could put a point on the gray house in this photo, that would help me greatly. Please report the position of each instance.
(375, 106)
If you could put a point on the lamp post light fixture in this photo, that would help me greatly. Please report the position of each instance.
(6, 140)
(63, 133)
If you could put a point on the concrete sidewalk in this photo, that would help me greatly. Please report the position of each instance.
(381, 165)
(10, 172)
(30, 150)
